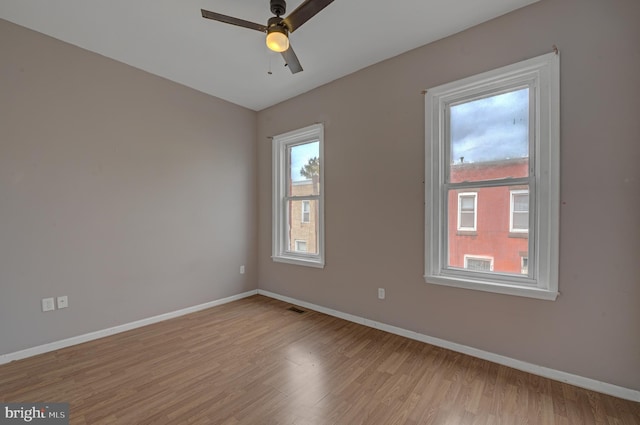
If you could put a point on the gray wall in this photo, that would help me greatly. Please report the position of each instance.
(374, 150)
(133, 195)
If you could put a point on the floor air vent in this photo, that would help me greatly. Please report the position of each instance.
(296, 310)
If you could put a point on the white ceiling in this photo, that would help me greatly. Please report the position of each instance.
(169, 38)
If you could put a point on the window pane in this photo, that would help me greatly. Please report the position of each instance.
(304, 169)
(303, 235)
(521, 220)
(467, 203)
(521, 202)
(491, 238)
(466, 220)
(490, 131)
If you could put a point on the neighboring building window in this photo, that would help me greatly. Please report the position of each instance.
(495, 137)
(519, 211)
(306, 211)
(301, 246)
(524, 265)
(467, 206)
(483, 264)
(298, 199)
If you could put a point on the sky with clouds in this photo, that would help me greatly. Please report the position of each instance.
(491, 128)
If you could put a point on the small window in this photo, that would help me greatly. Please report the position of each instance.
(477, 263)
(298, 199)
(524, 265)
(519, 211)
(495, 137)
(306, 211)
(467, 206)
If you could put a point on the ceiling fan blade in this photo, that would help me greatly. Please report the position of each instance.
(304, 12)
(291, 60)
(233, 21)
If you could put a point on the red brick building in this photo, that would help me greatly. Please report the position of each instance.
(488, 226)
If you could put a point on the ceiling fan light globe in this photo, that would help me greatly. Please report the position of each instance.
(277, 41)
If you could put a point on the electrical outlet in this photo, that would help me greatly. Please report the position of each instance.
(48, 304)
(63, 302)
(241, 269)
(381, 293)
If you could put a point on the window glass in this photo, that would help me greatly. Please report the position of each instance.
(303, 231)
(492, 237)
(304, 169)
(489, 129)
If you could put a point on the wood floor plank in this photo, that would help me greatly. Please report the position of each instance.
(255, 362)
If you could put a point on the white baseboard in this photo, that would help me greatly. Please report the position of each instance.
(56, 345)
(569, 378)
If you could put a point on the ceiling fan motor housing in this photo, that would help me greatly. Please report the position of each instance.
(275, 24)
(278, 7)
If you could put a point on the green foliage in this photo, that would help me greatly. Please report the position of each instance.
(311, 168)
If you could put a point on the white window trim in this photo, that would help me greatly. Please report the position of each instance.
(543, 75)
(475, 211)
(280, 143)
(511, 210)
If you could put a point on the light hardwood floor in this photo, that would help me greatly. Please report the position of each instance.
(254, 361)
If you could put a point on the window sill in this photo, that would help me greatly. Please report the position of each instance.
(521, 235)
(307, 262)
(466, 233)
(498, 288)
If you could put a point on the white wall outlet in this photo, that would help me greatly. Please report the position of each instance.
(48, 304)
(241, 269)
(63, 302)
(381, 293)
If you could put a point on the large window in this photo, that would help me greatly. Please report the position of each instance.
(492, 150)
(298, 201)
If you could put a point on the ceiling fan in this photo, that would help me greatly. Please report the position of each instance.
(278, 28)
